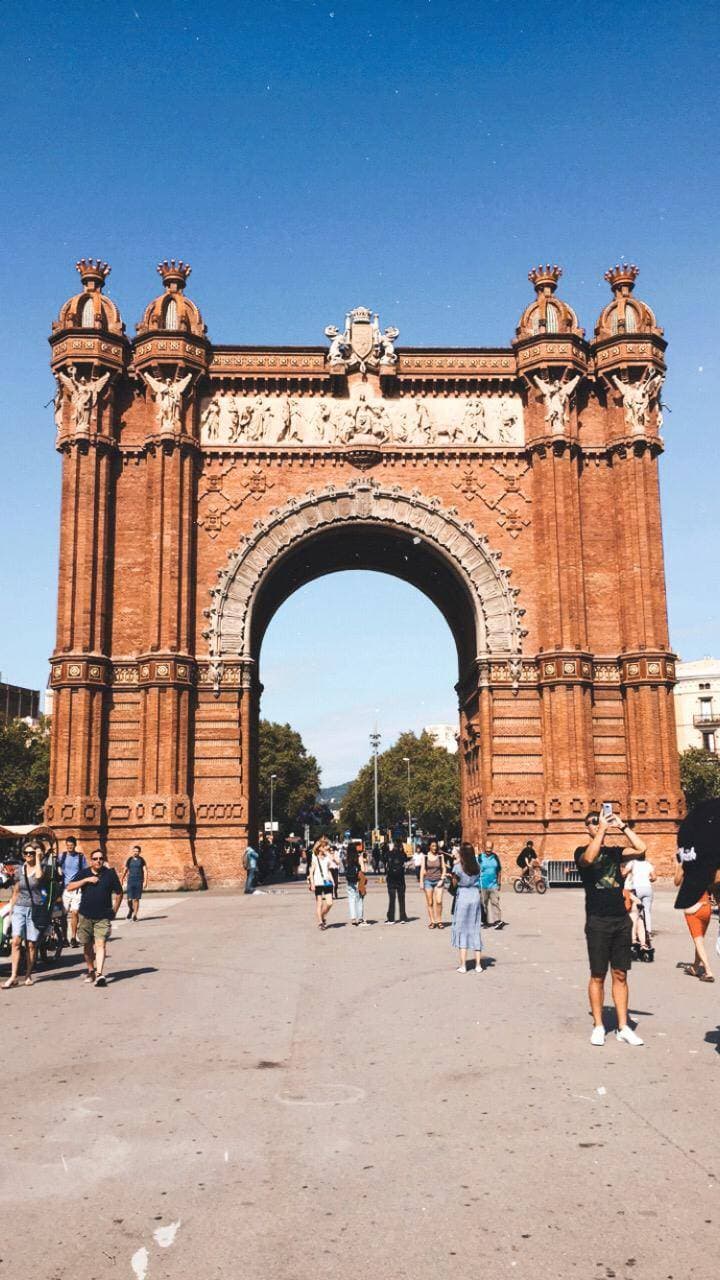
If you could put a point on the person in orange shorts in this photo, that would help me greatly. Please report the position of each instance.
(693, 877)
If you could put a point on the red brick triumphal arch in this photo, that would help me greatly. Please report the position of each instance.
(203, 484)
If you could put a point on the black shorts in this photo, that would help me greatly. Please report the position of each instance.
(609, 943)
(323, 890)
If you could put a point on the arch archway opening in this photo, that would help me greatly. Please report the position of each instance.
(399, 553)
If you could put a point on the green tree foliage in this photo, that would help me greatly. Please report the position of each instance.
(434, 788)
(281, 751)
(24, 770)
(699, 775)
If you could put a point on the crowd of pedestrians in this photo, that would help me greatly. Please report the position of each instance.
(83, 894)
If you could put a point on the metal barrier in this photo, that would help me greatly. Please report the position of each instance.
(561, 871)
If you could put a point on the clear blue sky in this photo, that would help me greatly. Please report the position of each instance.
(306, 157)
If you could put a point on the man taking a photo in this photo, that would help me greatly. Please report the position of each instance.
(608, 927)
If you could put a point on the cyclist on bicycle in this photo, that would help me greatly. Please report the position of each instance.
(529, 863)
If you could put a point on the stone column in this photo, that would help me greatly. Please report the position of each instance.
(80, 665)
(166, 664)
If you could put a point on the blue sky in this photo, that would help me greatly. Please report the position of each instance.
(306, 157)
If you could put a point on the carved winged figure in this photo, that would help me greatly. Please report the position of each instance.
(83, 394)
(557, 397)
(168, 394)
(636, 398)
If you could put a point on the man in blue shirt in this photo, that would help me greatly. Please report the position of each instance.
(73, 866)
(490, 873)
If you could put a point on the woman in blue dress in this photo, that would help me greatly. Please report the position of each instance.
(466, 918)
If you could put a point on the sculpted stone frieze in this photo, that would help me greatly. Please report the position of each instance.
(233, 419)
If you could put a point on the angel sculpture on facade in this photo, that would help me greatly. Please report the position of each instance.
(636, 397)
(168, 394)
(83, 394)
(557, 397)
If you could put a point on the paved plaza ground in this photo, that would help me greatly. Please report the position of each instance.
(309, 1105)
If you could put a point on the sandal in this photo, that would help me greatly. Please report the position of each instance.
(706, 977)
(11, 982)
(693, 972)
(29, 982)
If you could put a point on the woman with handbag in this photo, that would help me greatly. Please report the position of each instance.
(320, 880)
(30, 915)
(356, 881)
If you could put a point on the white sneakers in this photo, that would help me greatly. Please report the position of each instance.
(462, 968)
(627, 1035)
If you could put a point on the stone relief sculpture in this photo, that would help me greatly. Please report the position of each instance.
(636, 398)
(230, 419)
(83, 394)
(168, 394)
(557, 397)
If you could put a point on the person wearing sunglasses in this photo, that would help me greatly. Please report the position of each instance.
(608, 928)
(100, 898)
(26, 895)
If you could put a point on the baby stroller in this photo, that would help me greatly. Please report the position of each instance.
(642, 948)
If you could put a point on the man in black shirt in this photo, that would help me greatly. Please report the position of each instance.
(100, 898)
(608, 927)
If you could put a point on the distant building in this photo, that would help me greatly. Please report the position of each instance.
(697, 704)
(444, 735)
(17, 703)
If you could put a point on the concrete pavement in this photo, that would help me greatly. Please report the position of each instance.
(311, 1105)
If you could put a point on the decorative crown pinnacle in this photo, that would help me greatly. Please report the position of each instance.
(545, 279)
(174, 274)
(623, 276)
(93, 272)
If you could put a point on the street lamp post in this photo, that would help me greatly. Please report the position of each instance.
(273, 776)
(375, 743)
(410, 838)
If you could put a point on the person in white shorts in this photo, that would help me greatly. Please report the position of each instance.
(643, 876)
(73, 866)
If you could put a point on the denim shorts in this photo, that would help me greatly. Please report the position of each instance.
(22, 924)
(432, 884)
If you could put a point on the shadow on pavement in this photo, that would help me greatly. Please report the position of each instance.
(713, 1037)
(113, 975)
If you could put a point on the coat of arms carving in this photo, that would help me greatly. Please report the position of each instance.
(362, 345)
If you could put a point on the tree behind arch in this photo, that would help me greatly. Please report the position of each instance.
(434, 788)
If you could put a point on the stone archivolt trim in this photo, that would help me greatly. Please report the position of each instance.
(497, 616)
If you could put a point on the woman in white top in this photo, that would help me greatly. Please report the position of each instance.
(643, 876)
(320, 881)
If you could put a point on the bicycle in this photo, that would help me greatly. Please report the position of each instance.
(527, 883)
